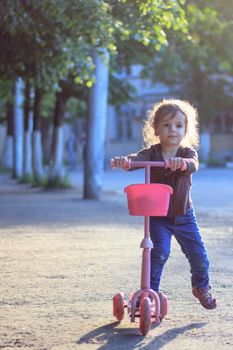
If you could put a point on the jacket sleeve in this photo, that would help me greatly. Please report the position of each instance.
(142, 155)
(191, 159)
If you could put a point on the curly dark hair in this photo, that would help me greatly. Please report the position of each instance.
(170, 107)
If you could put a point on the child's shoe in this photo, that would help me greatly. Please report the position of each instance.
(205, 297)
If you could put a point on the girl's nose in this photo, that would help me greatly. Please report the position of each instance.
(172, 128)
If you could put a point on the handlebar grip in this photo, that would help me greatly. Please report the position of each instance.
(113, 166)
(141, 164)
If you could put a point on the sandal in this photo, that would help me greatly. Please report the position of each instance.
(205, 297)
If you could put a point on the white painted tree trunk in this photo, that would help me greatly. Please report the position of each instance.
(8, 153)
(57, 167)
(27, 158)
(37, 156)
(18, 129)
(96, 128)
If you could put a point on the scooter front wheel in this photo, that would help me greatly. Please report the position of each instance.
(118, 306)
(145, 318)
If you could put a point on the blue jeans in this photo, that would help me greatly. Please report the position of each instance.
(186, 231)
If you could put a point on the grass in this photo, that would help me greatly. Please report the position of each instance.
(58, 182)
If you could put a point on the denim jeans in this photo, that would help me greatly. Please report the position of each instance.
(186, 231)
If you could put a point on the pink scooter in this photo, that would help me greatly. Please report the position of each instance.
(145, 200)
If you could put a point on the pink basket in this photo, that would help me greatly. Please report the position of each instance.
(148, 199)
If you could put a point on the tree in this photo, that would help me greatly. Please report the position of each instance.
(27, 156)
(18, 129)
(131, 23)
(37, 145)
(46, 41)
(7, 92)
(96, 127)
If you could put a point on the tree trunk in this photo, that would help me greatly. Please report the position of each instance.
(27, 156)
(37, 146)
(18, 129)
(8, 153)
(57, 167)
(96, 128)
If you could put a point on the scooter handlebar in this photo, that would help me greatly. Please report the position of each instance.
(144, 164)
(140, 164)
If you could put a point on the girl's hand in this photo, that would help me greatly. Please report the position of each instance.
(176, 163)
(121, 162)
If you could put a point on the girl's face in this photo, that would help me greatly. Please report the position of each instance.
(171, 130)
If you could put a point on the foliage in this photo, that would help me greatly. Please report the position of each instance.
(201, 67)
(6, 96)
(44, 40)
(47, 40)
(26, 179)
(76, 108)
(47, 104)
(52, 41)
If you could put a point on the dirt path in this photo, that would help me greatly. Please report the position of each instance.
(62, 259)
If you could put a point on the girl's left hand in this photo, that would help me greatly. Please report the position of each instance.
(176, 163)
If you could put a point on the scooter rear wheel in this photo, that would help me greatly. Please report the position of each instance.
(163, 304)
(118, 306)
(145, 318)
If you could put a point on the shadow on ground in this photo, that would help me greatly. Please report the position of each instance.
(109, 337)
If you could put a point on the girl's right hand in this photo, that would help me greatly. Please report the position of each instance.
(121, 162)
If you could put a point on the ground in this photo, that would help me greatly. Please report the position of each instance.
(62, 259)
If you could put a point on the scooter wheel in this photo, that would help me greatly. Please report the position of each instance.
(145, 318)
(118, 306)
(163, 305)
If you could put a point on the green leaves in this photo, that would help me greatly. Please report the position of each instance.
(196, 65)
(50, 40)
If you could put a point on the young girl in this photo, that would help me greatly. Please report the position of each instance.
(170, 134)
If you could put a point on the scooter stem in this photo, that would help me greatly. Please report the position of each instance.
(146, 244)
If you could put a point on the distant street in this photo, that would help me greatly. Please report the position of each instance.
(212, 187)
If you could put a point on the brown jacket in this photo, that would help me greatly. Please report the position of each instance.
(180, 181)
